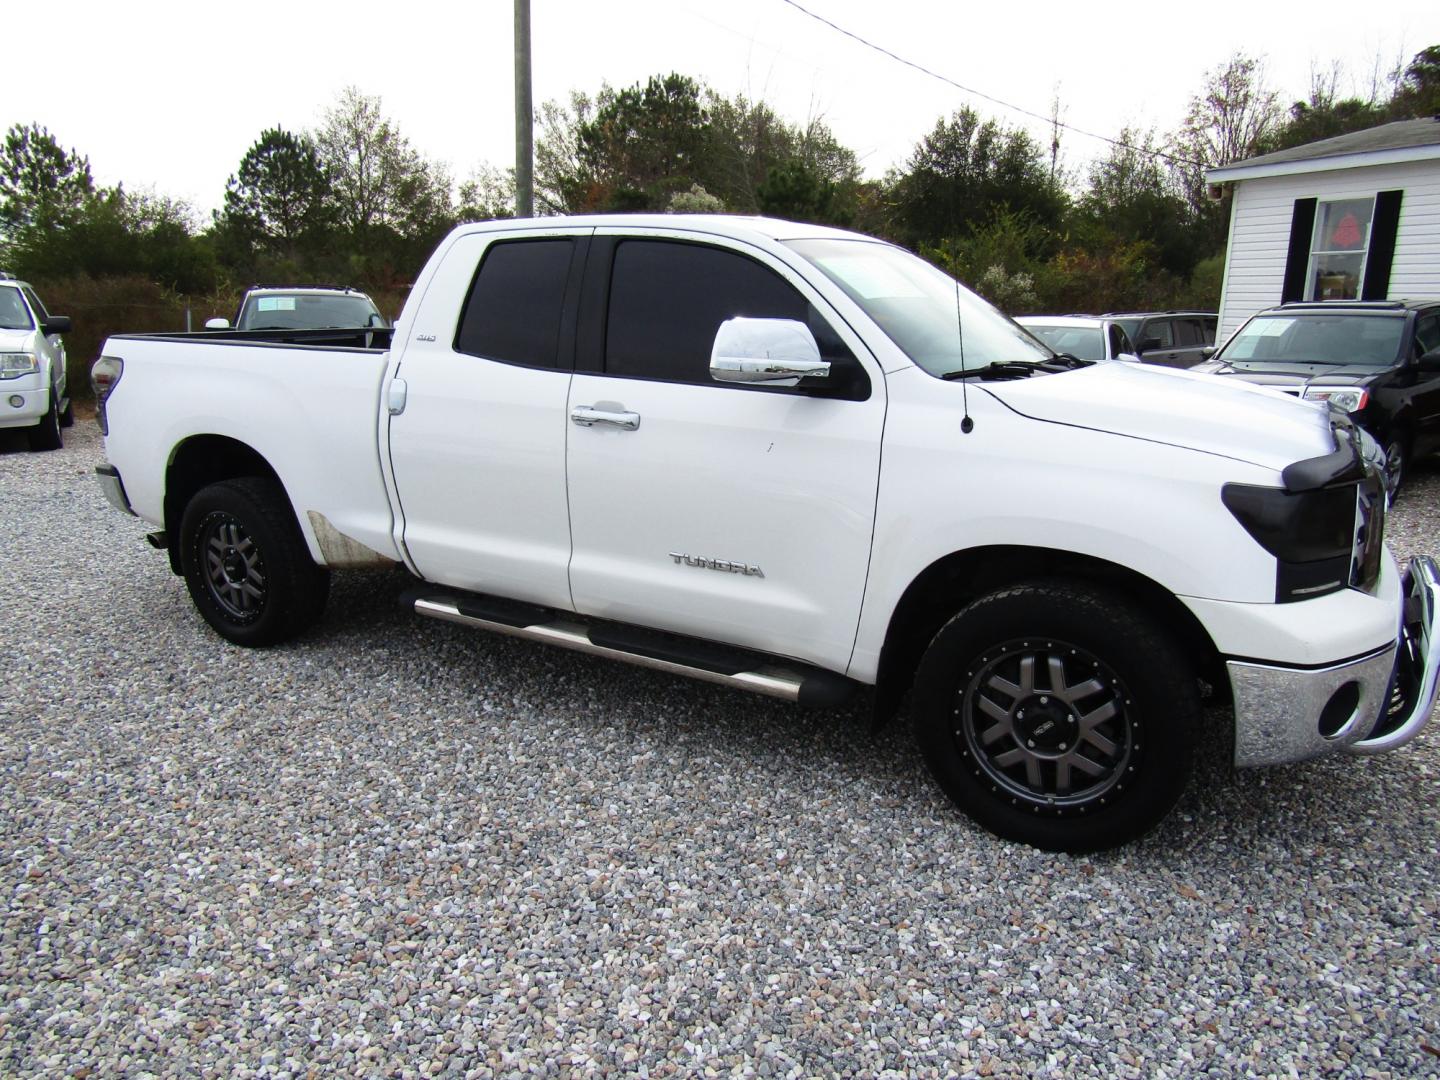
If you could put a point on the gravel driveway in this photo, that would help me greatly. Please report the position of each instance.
(402, 848)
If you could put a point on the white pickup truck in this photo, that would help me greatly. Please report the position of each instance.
(801, 461)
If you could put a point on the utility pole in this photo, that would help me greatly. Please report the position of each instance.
(524, 116)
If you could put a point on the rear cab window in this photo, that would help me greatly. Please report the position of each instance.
(516, 304)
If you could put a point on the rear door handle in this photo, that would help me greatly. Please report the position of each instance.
(589, 416)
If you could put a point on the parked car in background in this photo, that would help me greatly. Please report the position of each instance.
(1089, 337)
(303, 307)
(1171, 338)
(32, 366)
(1377, 361)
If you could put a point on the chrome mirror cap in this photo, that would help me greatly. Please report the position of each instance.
(773, 352)
(217, 324)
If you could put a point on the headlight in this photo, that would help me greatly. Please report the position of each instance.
(15, 364)
(1347, 399)
(1315, 536)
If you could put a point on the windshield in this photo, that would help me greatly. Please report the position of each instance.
(302, 311)
(1086, 342)
(1363, 340)
(918, 306)
(13, 313)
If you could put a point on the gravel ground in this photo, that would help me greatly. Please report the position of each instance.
(401, 848)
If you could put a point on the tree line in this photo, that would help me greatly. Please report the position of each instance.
(353, 200)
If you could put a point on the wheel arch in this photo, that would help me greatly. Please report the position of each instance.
(947, 584)
(197, 462)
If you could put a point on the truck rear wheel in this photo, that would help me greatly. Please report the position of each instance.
(1058, 715)
(246, 564)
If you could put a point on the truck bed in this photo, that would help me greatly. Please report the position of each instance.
(307, 401)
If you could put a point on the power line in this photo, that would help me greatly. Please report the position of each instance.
(981, 94)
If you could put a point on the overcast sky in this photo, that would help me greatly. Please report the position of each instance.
(169, 96)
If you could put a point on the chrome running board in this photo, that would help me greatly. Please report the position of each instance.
(720, 664)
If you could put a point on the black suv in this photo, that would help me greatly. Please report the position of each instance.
(1171, 338)
(1377, 361)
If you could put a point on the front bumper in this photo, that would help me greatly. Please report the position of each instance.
(33, 403)
(1368, 705)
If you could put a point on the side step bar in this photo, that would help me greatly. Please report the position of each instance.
(707, 661)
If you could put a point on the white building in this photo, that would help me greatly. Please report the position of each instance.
(1356, 217)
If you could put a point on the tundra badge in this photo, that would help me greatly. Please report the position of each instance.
(723, 565)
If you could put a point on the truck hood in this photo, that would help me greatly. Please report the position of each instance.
(1228, 417)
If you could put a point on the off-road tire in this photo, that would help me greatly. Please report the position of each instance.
(1108, 693)
(246, 565)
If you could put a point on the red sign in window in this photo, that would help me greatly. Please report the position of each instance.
(1346, 234)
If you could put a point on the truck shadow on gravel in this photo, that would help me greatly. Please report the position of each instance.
(836, 754)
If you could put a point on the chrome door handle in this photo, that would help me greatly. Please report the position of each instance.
(589, 416)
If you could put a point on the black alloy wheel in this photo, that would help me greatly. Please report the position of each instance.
(234, 571)
(246, 564)
(1049, 723)
(1059, 714)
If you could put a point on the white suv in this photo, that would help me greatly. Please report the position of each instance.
(32, 366)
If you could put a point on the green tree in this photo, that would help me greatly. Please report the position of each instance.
(964, 172)
(277, 197)
(489, 193)
(637, 148)
(1418, 94)
(1231, 118)
(563, 183)
(380, 187)
(42, 185)
(644, 143)
(1132, 198)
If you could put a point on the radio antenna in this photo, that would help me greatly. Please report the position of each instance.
(967, 425)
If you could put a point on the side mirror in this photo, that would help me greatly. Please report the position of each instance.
(1207, 351)
(1430, 362)
(376, 319)
(57, 324)
(217, 324)
(772, 352)
(1129, 357)
(1146, 344)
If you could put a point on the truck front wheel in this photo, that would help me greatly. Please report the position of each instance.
(1057, 714)
(246, 564)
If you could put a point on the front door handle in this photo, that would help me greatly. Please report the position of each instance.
(589, 416)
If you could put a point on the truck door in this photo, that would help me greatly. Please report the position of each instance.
(734, 513)
(477, 449)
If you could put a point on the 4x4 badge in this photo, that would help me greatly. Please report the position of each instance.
(723, 565)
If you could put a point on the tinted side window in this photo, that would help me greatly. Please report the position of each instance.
(1159, 329)
(1211, 324)
(1189, 332)
(1427, 333)
(40, 312)
(668, 299)
(515, 304)
(1118, 342)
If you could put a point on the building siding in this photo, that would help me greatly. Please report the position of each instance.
(1260, 232)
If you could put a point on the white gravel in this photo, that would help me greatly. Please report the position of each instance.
(401, 848)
